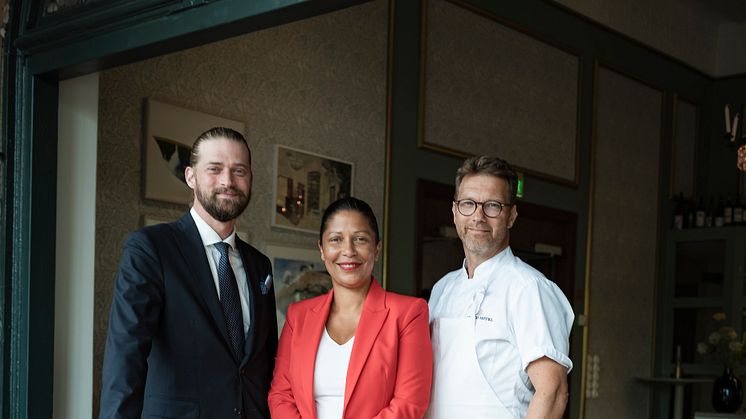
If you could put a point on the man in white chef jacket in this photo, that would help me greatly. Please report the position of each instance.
(500, 329)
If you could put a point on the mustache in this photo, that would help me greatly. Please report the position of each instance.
(229, 189)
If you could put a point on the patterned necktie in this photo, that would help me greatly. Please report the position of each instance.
(230, 300)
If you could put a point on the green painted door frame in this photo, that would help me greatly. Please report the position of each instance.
(41, 50)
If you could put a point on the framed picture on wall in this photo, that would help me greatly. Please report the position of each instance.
(299, 273)
(305, 183)
(473, 101)
(170, 132)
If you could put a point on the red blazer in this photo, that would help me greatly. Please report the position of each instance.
(390, 367)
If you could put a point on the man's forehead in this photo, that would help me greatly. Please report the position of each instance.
(483, 183)
(221, 150)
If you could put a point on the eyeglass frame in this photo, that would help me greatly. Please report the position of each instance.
(478, 204)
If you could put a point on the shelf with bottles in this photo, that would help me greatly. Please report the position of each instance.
(726, 211)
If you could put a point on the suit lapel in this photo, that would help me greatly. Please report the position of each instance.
(252, 280)
(371, 321)
(191, 247)
(313, 327)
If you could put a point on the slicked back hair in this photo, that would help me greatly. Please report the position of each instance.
(350, 204)
(488, 165)
(216, 133)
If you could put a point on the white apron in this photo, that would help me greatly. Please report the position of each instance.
(459, 387)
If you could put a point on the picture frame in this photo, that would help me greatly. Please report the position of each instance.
(299, 273)
(305, 183)
(502, 109)
(169, 132)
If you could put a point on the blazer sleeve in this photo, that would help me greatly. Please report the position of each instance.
(133, 321)
(415, 367)
(281, 399)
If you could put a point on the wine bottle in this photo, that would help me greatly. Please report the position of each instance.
(710, 214)
(689, 214)
(728, 212)
(719, 218)
(678, 213)
(699, 214)
(737, 213)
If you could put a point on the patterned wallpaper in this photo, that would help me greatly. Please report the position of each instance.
(624, 242)
(317, 85)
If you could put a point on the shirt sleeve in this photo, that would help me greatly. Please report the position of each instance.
(133, 322)
(541, 318)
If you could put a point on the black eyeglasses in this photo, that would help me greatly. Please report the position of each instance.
(491, 209)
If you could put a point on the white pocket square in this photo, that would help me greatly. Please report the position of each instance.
(266, 285)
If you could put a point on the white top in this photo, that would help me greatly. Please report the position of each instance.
(330, 375)
(209, 238)
(520, 316)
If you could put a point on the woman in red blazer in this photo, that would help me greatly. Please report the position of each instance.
(358, 351)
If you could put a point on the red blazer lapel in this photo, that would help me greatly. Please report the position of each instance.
(308, 345)
(371, 320)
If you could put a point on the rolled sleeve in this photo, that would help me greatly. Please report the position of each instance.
(541, 319)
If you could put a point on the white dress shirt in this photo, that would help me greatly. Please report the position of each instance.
(209, 238)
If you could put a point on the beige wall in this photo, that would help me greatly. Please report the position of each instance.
(624, 238)
(318, 85)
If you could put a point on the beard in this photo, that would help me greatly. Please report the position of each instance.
(223, 209)
(478, 247)
(483, 246)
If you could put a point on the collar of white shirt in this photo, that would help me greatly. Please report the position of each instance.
(484, 271)
(208, 235)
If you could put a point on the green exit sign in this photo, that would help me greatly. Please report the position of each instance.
(520, 185)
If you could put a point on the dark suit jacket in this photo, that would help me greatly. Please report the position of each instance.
(168, 353)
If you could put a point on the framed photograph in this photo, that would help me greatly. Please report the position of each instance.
(170, 132)
(305, 184)
(299, 273)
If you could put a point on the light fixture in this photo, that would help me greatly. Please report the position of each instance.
(731, 129)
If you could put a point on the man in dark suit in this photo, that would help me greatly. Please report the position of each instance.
(193, 328)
